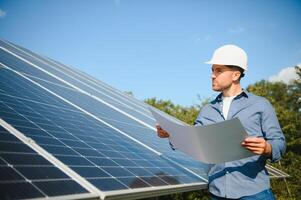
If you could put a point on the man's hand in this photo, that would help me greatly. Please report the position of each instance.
(161, 132)
(257, 145)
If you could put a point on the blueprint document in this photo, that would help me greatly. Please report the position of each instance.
(216, 143)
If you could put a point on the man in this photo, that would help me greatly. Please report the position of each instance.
(246, 178)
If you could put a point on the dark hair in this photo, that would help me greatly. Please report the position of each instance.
(241, 70)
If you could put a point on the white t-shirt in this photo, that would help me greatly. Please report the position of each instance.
(226, 105)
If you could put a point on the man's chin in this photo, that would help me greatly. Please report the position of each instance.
(216, 89)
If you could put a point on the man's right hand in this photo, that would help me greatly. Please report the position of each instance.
(161, 132)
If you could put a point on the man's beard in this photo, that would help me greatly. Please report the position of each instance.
(220, 89)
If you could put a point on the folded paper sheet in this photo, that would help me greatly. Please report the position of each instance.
(216, 143)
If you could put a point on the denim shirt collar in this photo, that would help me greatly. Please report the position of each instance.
(219, 97)
(216, 103)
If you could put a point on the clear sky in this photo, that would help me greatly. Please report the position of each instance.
(157, 48)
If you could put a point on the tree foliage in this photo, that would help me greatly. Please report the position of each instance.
(286, 100)
(185, 114)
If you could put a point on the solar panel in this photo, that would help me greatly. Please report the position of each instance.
(100, 141)
(26, 174)
(136, 106)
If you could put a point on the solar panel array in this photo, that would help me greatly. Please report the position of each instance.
(66, 134)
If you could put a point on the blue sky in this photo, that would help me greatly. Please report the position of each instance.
(157, 48)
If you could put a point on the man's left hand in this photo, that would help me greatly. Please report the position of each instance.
(257, 145)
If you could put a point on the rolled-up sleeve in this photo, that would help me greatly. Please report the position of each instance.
(272, 132)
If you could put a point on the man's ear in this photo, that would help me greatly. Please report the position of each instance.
(236, 75)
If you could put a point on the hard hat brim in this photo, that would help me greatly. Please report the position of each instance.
(209, 62)
(215, 63)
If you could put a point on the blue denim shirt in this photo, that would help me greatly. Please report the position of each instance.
(247, 176)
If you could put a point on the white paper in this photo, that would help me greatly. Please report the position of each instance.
(216, 143)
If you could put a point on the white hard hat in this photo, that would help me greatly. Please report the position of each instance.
(230, 55)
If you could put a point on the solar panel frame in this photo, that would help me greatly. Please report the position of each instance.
(276, 173)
